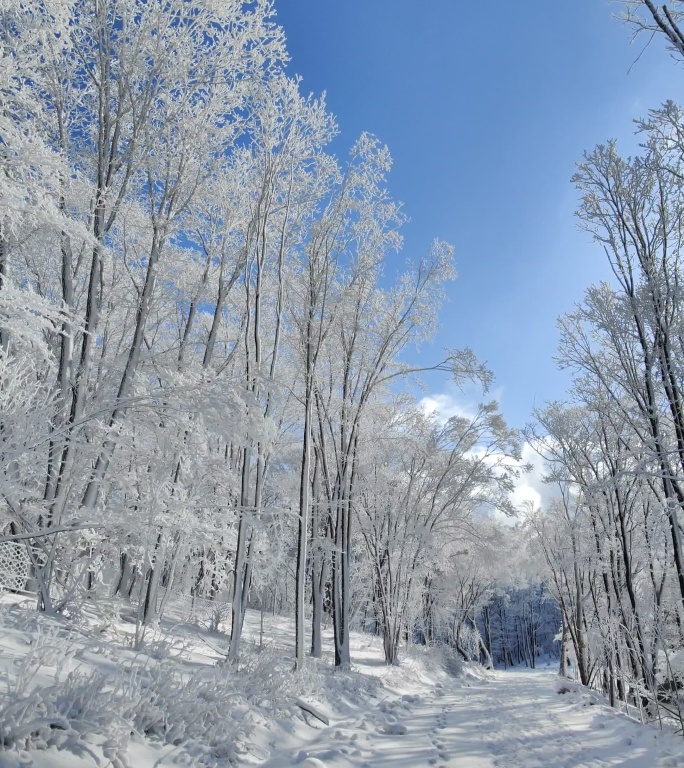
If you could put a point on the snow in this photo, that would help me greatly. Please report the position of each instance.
(414, 715)
(513, 719)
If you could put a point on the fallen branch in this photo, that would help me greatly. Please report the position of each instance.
(48, 532)
(312, 711)
(220, 651)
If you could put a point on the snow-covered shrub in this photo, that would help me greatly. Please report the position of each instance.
(208, 713)
(69, 692)
(220, 614)
(74, 701)
(452, 661)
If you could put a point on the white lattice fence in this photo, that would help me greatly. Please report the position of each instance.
(14, 565)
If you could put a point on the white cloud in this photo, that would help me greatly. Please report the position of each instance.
(457, 401)
(443, 407)
(525, 493)
(530, 486)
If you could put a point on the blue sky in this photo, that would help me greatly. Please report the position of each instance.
(486, 107)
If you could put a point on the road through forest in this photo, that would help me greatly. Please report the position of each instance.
(517, 719)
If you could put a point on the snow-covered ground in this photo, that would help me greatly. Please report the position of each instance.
(77, 696)
(515, 719)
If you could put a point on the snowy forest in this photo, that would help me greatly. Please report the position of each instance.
(212, 427)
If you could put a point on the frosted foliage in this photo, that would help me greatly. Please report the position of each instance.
(14, 565)
(95, 697)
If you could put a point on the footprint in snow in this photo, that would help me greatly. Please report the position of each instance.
(394, 729)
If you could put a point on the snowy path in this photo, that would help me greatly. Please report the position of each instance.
(516, 720)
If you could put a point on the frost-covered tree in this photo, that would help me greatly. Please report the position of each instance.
(201, 340)
(420, 495)
(613, 542)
